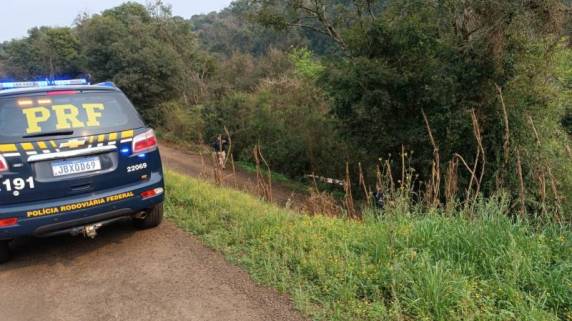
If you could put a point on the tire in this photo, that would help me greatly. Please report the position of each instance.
(5, 253)
(152, 219)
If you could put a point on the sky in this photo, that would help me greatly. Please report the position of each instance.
(18, 16)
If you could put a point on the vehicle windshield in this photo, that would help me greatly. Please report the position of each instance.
(65, 113)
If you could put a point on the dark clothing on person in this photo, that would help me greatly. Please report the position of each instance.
(220, 145)
(379, 199)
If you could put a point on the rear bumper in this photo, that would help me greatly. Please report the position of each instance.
(75, 226)
(49, 217)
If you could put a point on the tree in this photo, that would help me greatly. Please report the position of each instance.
(324, 17)
(444, 58)
(149, 53)
(45, 53)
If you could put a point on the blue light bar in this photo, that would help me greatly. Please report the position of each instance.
(39, 84)
(70, 82)
(23, 84)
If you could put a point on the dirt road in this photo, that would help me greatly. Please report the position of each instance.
(124, 274)
(197, 166)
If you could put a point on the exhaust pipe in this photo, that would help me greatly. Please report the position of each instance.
(90, 231)
(141, 215)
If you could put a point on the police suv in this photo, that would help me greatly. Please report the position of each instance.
(74, 157)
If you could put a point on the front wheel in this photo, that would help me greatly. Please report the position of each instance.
(5, 253)
(153, 218)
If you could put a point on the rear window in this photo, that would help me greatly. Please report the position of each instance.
(72, 113)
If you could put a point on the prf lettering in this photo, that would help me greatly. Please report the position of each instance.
(67, 116)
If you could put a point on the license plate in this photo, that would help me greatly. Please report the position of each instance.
(76, 166)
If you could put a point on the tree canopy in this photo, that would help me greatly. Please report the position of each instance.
(480, 88)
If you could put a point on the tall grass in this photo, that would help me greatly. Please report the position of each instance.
(396, 266)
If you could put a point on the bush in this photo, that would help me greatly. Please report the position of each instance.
(289, 118)
(178, 123)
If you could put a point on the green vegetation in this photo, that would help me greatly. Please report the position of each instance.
(476, 92)
(401, 265)
(444, 104)
(448, 60)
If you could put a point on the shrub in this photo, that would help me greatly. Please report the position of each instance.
(178, 123)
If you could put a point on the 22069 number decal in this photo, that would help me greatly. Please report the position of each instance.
(136, 168)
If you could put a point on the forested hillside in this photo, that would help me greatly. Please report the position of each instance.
(446, 101)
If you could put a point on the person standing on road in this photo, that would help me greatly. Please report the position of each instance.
(220, 146)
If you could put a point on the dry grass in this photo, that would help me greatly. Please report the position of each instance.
(506, 145)
(362, 183)
(263, 181)
(432, 193)
(348, 198)
(452, 183)
(521, 192)
(321, 203)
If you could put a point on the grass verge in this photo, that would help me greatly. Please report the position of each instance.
(399, 267)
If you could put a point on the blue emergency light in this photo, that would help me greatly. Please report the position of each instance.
(106, 84)
(44, 83)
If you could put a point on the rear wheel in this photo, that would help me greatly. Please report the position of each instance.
(153, 218)
(5, 253)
